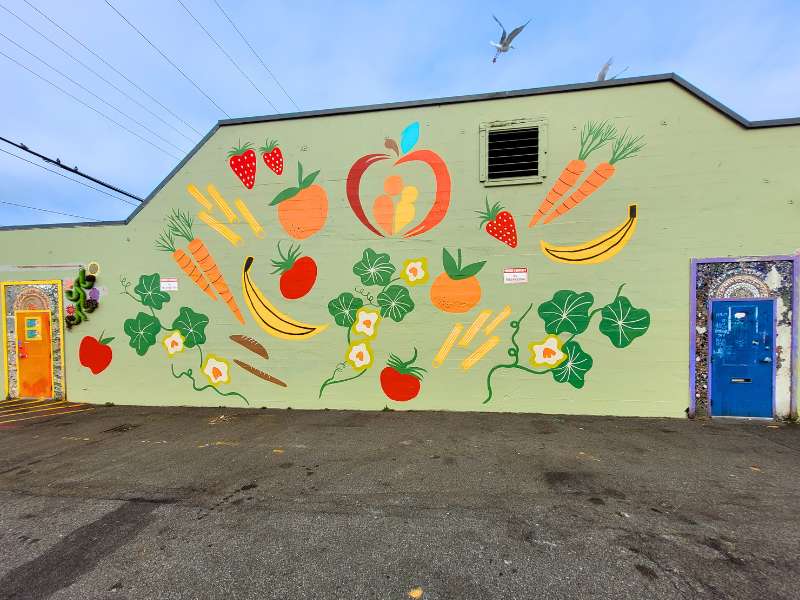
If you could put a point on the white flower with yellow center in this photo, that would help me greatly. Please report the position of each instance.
(367, 320)
(173, 343)
(216, 369)
(547, 353)
(415, 271)
(359, 355)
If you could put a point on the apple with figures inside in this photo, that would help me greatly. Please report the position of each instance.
(95, 353)
(394, 208)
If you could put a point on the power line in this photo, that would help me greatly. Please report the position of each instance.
(88, 91)
(92, 108)
(241, 35)
(113, 68)
(228, 56)
(91, 187)
(57, 162)
(95, 73)
(166, 58)
(55, 212)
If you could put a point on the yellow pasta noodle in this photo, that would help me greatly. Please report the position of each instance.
(501, 316)
(447, 345)
(480, 352)
(234, 238)
(248, 216)
(473, 329)
(222, 203)
(198, 195)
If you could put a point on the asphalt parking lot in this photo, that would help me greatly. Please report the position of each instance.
(174, 503)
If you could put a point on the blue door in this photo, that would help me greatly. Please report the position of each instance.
(742, 357)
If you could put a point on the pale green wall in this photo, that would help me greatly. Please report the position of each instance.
(705, 187)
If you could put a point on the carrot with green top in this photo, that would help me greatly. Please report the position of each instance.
(624, 147)
(166, 243)
(594, 136)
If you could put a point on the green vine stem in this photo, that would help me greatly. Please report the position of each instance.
(188, 373)
(333, 381)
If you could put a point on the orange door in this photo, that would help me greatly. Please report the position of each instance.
(34, 354)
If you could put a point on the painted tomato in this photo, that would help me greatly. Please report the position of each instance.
(95, 354)
(401, 380)
(298, 273)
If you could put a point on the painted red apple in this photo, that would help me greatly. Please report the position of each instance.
(441, 175)
(95, 354)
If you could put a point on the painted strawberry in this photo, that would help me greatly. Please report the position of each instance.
(499, 223)
(273, 157)
(242, 160)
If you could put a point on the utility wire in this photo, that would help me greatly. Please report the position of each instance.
(113, 68)
(57, 162)
(241, 35)
(166, 58)
(90, 92)
(55, 212)
(91, 70)
(228, 56)
(91, 187)
(92, 108)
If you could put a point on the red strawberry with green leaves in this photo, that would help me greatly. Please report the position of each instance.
(499, 223)
(242, 160)
(273, 157)
(401, 380)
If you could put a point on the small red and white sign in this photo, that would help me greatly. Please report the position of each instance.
(515, 275)
(169, 284)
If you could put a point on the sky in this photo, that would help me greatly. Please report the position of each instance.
(745, 54)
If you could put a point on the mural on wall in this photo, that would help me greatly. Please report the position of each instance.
(179, 225)
(598, 250)
(457, 289)
(268, 317)
(568, 314)
(188, 330)
(298, 272)
(391, 218)
(362, 316)
(499, 223)
(95, 354)
(258, 349)
(84, 298)
(483, 319)
(302, 209)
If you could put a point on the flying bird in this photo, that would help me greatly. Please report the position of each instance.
(603, 74)
(504, 45)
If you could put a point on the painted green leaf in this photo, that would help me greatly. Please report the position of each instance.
(573, 370)
(567, 312)
(622, 322)
(374, 268)
(343, 309)
(395, 302)
(149, 291)
(142, 330)
(192, 326)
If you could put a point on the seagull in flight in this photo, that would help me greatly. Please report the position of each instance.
(504, 45)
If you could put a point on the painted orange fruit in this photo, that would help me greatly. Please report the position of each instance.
(457, 290)
(302, 209)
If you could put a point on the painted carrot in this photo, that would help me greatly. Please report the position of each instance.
(624, 147)
(166, 243)
(180, 225)
(593, 137)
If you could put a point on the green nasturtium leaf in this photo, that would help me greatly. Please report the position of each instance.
(142, 330)
(395, 302)
(374, 268)
(343, 309)
(574, 368)
(192, 326)
(622, 322)
(567, 312)
(149, 291)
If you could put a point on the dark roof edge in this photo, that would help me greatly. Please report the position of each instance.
(553, 89)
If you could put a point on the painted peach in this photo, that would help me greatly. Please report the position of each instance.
(304, 214)
(455, 295)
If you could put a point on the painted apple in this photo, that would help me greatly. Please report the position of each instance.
(95, 354)
(392, 218)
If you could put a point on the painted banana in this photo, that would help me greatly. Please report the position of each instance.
(269, 318)
(600, 248)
